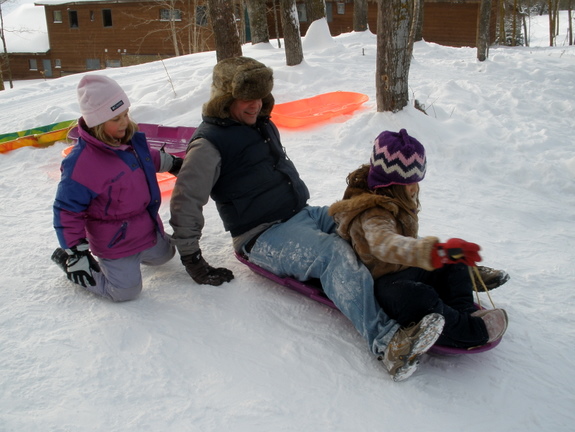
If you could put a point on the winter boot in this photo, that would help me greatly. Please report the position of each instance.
(408, 345)
(495, 321)
(491, 278)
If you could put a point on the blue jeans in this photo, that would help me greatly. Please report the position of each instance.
(306, 247)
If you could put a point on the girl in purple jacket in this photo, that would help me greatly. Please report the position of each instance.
(108, 197)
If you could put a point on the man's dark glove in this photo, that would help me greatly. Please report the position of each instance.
(176, 165)
(80, 264)
(202, 273)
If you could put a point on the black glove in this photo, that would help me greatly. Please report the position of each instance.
(80, 264)
(202, 273)
(176, 165)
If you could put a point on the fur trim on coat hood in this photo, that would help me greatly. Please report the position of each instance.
(382, 233)
(239, 78)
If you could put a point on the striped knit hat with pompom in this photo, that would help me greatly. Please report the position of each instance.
(397, 158)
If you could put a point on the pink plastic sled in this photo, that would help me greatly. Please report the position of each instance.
(312, 289)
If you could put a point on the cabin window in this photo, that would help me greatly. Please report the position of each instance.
(170, 15)
(57, 16)
(92, 16)
(201, 16)
(107, 17)
(113, 63)
(329, 12)
(340, 8)
(301, 12)
(92, 64)
(33, 63)
(58, 64)
(73, 17)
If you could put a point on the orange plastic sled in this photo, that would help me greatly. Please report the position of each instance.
(309, 111)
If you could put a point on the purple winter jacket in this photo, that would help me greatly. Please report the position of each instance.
(109, 196)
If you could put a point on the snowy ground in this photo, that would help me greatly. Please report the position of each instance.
(253, 356)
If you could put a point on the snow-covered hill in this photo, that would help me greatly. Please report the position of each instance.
(252, 356)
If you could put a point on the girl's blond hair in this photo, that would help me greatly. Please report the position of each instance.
(98, 133)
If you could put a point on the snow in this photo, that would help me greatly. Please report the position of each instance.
(253, 356)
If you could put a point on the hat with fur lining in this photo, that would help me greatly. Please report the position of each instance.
(100, 99)
(397, 158)
(239, 78)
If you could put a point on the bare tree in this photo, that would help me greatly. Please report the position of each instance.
(292, 37)
(257, 13)
(5, 63)
(418, 7)
(393, 54)
(570, 25)
(483, 30)
(553, 20)
(315, 9)
(360, 9)
(417, 4)
(226, 33)
(275, 9)
(177, 26)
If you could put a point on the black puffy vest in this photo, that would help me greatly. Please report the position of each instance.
(257, 183)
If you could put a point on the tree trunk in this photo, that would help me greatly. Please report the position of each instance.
(393, 54)
(4, 59)
(276, 22)
(258, 21)
(570, 18)
(360, 9)
(418, 20)
(414, 21)
(227, 38)
(483, 30)
(315, 10)
(292, 37)
(502, 35)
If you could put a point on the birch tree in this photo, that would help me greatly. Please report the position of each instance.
(315, 9)
(292, 37)
(5, 60)
(360, 8)
(483, 30)
(393, 54)
(258, 21)
(418, 7)
(226, 34)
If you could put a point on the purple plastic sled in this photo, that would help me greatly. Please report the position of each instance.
(312, 289)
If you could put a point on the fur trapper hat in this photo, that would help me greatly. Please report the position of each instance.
(239, 78)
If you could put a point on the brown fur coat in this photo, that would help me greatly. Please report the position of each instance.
(382, 233)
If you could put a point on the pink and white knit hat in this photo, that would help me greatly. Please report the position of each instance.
(100, 99)
(396, 158)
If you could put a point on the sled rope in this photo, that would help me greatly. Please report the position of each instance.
(473, 270)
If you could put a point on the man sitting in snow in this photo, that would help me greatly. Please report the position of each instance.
(236, 158)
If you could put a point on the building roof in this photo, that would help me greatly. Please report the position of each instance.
(25, 30)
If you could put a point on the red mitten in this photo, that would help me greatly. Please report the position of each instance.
(455, 251)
